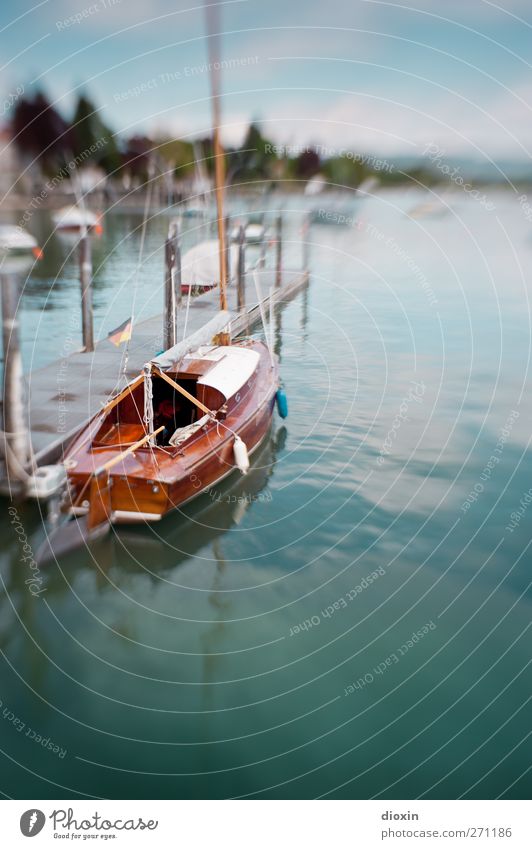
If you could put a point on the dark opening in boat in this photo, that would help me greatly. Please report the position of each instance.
(125, 423)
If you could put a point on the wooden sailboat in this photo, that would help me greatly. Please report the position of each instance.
(182, 426)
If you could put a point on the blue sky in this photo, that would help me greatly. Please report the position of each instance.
(377, 76)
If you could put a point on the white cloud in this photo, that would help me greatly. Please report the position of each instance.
(468, 12)
(375, 124)
(233, 130)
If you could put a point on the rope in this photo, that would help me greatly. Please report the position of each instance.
(270, 346)
(148, 399)
(148, 408)
(220, 424)
(147, 205)
(262, 316)
(174, 317)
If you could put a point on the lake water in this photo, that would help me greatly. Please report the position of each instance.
(349, 620)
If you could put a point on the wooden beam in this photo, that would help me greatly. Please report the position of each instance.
(130, 450)
(129, 388)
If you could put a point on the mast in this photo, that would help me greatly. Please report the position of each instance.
(213, 38)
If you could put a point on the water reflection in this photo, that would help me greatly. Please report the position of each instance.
(150, 550)
(203, 522)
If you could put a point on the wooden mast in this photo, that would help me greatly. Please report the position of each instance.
(213, 39)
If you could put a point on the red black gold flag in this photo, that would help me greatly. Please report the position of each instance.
(121, 334)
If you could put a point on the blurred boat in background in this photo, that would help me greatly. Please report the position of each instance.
(16, 241)
(254, 229)
(72, 219)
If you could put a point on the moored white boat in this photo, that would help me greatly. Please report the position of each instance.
(18, 249)
(16, 240)
(72, 219)
(200, 266)
(254, 233)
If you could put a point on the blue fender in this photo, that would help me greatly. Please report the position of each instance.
(282, 403)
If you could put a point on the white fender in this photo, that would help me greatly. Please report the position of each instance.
(241, 455)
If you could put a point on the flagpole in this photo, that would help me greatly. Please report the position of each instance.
(213, 38)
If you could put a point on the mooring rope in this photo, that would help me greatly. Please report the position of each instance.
(262, 316)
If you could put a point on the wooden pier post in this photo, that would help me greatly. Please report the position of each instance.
(241, 269)
(278, 250)
(172, 285)
(85, 278)
(305, 246)
(262, 257)
(17, 443)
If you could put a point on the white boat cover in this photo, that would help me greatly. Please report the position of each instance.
(200, 266)
(234, 366)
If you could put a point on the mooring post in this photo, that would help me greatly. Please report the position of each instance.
(262, 257)
(172, 285)
(228, 268)
(85, 279)
(17, 442)
(279, 250)
(241, 269)
(305, 246)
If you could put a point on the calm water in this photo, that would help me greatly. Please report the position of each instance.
(261, 645)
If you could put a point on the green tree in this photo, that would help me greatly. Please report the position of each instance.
(254, 160)
(40, 132)
(178, 155)
(89, 132)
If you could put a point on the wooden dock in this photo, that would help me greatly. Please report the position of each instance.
(64, 395)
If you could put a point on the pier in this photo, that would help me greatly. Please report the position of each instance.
(62, 396)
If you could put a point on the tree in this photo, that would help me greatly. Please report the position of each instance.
(307, 164)
(136, 156)
(92, 140)
(178, 155)
(40, 132)
(255, 159)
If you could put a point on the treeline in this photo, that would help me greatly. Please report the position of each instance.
(45, 137)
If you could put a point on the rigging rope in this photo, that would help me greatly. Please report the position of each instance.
(148, 400)
(147, 205)
(262, 316)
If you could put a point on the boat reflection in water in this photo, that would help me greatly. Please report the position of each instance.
(155, 549)
(204, 521)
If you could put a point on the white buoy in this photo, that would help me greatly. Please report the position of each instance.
(241, 455)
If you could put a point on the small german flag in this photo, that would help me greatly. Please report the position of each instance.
(121, 334)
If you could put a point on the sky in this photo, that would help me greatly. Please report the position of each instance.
(365, 75)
